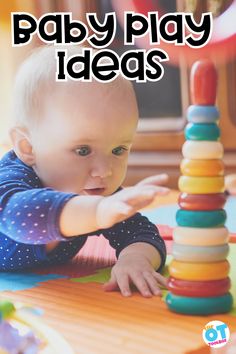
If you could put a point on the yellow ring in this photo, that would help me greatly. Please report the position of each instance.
(199, 271)
(206, 168)
(201, 185)
(202, 150)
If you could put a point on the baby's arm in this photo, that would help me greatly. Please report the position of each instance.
(85, 214)
(140, 251)
(31, 215)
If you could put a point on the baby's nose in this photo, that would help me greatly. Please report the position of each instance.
(102, 169)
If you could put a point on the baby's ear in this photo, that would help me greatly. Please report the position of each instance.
(22, 145)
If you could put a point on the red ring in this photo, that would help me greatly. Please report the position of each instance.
(214, 201)
(199, 288)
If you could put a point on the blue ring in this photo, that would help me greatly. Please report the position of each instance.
(202, 114)
(199, 305)
(202, 131)
(202, 219)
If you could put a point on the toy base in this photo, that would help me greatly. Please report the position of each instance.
(199, 305)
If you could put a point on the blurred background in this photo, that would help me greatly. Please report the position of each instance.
(162, 104)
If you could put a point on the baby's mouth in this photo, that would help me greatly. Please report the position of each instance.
(94, 191)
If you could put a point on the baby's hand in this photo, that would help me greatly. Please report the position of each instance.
(135, 269)
(127, 202)
(230, 184)
(156, 180)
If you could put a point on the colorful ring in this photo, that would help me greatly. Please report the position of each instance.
(202, 150)
(202, 201)
(202, 131)
(199, 288)
(202, 168)
(199, 305)
(199, 271)
(195, 236)
(199, 254)
(207, 218)
(201, 185)
(203, 114)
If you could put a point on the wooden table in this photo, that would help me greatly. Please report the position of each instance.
(95, 322)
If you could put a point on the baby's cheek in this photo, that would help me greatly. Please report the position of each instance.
(118, 180)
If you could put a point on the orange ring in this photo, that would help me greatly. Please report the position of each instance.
(203, 168)
(199, 271)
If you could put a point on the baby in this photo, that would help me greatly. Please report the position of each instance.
(62, 180)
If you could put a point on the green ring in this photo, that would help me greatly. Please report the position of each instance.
(199, 305)
(202, 219)
(202, 131)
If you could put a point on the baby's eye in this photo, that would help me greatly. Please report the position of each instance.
(83, 151)
(119, 150)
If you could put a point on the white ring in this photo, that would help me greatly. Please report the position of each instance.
(200, 254)
(196, 236)
(202, 150)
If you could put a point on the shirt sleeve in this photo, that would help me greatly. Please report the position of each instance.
(31, 215)
(135, 229)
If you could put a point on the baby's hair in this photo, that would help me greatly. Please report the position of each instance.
(36, 78)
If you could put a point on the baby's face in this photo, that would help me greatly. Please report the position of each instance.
(83, 139)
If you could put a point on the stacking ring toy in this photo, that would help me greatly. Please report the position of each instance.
(199, 254)
(202, 168)
(201, 185)
(199, 288)
(195, 236)
(199, 305)
(202, 150)
(201, 201)
(199, 271)
(202, 114)
(207, 218)
(202, 131)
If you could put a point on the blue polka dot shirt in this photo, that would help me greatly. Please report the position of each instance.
(29, 219)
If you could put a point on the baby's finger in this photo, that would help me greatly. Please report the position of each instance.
(143, 193)
(162, 191)
(157, 180)
(111, 285)
(123, 283)
(152, 283)
(141, 284)
(161, 280)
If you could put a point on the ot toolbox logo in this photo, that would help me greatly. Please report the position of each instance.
(216, 334)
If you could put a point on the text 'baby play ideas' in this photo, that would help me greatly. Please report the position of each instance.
(138, 65)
